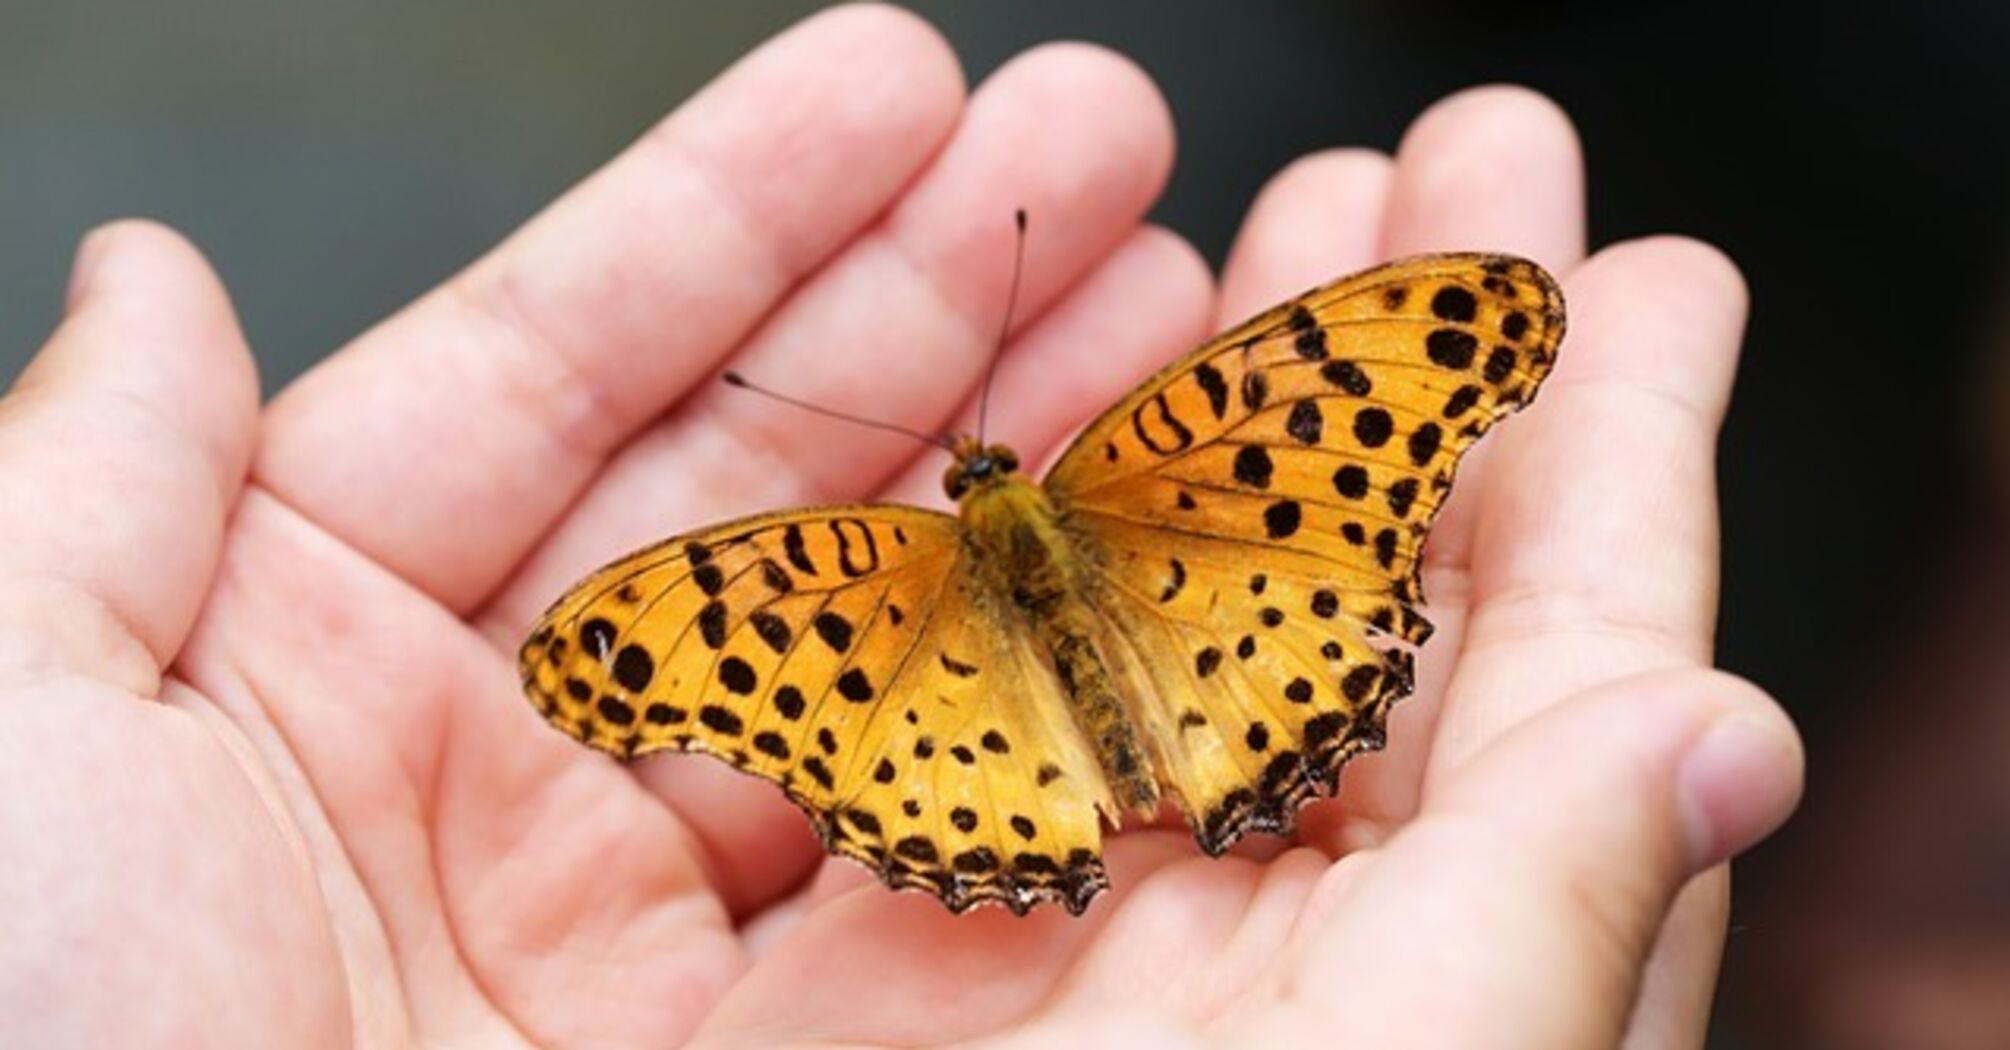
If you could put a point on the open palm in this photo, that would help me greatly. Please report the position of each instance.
(271, 782)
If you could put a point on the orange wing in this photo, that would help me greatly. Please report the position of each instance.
(1258, 509)
(843, 654)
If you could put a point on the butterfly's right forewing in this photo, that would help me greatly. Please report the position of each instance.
(1259, 508)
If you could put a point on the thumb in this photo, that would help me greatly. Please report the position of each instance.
(1520, 907)
(122, 448)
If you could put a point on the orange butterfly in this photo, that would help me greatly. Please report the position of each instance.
(1207, 600)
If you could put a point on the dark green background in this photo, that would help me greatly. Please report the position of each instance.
(335, 160)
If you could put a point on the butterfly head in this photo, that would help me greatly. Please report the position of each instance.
(977, 465)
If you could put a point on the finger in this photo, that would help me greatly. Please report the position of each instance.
(446, 441)
(1318, 219)
(901, 326)
(900, 949)
(122, 449)
(1614, 467)
(1565, 844)
(1489, 169)
(1644, 380)
(1150, 301)
(1672, 1011)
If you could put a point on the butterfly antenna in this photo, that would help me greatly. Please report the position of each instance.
(1011, 303)
(735, 379)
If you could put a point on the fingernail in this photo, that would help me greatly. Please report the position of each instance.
(1738, 782)
(90, 252)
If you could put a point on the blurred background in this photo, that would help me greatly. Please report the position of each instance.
(335, 160)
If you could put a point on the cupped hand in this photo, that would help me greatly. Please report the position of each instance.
(270, 780)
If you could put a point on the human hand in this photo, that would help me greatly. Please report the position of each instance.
(273, 783)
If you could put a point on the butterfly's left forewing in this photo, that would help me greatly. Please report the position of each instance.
(846, 654)
(1257, 511)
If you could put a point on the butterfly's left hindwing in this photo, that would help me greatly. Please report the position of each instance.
(1259, 508)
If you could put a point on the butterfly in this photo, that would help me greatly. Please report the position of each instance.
(1210, 600)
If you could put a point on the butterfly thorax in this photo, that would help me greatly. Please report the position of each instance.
(1034, 568)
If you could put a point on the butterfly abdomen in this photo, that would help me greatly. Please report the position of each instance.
(1031, 564)
(1099, 712)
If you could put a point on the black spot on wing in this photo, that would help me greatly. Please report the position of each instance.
(1306, 423)
(858, 550)
(1253, 466)
(1424, 443)
(1403, 493)
(1255, 390)
(1347, 376)
(1385, 548)
(1453, 303)
(1175, 582)
(1311, 344)
(712, 624)
(1282, 518)
(1451, 348)
(1373, 427)
(720, 720)
(771, 629)
(1351, 481)
(633, 668)
(854, 686)
(954, 666)
(1216, 388)
(737, 675)
(1172, 435)
(1462, 401)
(1206, 661)
(834, 629)
(596, 636)
(796, 551)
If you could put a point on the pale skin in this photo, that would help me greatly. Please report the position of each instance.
(271, 782)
